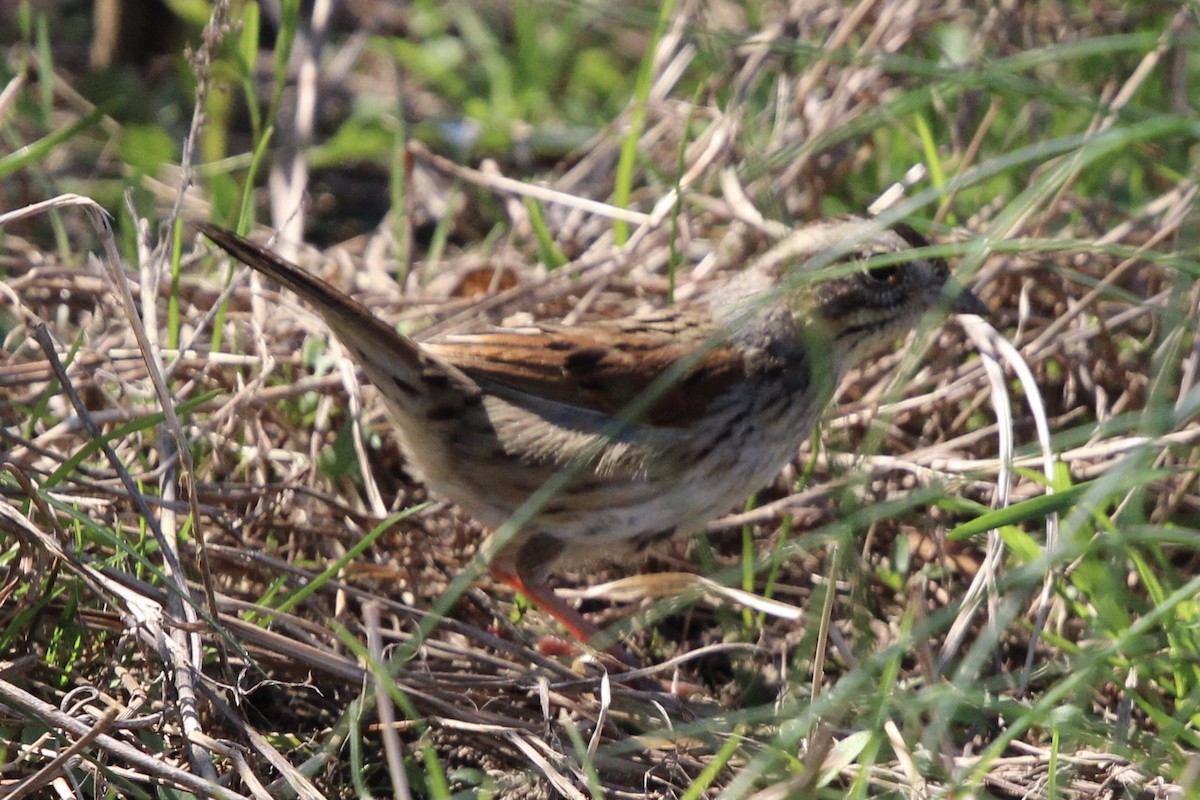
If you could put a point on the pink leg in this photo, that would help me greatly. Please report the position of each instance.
(544, 598)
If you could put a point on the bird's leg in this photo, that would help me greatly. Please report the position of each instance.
(544, 598)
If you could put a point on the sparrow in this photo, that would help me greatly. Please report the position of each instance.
(646, 426)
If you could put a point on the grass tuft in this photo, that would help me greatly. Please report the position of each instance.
(218, 577)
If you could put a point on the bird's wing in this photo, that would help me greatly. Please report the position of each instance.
(607, 366)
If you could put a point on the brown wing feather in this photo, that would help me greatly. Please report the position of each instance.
(605, 366)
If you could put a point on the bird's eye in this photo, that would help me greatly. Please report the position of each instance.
(889, 274)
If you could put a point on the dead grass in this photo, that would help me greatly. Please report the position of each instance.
(253, 631)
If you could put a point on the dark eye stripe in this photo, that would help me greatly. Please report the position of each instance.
(856, 330)
(891, 274)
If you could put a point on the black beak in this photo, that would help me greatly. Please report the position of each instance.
(965, 301)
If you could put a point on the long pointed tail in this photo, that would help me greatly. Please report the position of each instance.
(413, 380)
